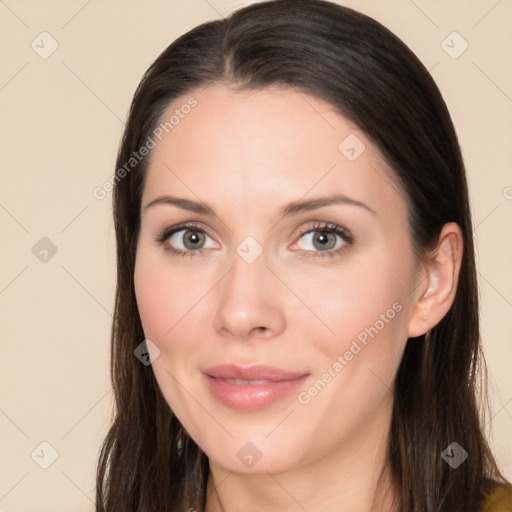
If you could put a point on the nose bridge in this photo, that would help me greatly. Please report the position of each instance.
(245, 300)
(248, 266)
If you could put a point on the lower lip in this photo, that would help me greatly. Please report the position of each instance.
(252, 397)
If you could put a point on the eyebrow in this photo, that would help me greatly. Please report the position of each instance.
(293, 208)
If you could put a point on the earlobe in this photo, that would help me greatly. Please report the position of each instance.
(438, 282)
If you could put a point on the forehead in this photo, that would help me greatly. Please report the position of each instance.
(264, 147)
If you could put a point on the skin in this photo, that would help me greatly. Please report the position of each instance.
(247, 154)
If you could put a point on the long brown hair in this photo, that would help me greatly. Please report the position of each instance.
(374, 80)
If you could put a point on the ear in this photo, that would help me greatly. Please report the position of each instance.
(438, 281)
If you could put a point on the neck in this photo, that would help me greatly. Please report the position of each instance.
(356, 476)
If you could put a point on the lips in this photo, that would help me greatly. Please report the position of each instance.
(251, 388)
(252, 373)
(242, 382)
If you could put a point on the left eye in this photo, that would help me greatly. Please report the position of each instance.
(325, 239)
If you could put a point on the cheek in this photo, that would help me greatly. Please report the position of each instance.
(364, 311)
(163, 300)
(171, 309)
(164, 295)
(356, 297)
(150, 292)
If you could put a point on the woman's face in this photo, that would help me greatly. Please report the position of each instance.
(272, 284)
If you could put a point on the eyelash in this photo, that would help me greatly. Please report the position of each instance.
(347, 237)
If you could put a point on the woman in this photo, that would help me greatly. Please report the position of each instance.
(296, 320)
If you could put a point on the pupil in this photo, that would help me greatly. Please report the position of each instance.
(322, 237)
(194, 238)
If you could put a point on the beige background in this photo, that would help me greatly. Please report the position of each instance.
(60, 127)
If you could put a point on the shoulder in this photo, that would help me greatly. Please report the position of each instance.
(499, 499)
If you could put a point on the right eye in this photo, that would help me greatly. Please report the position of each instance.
(184, 239)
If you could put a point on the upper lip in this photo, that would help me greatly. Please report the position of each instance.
(254, 372)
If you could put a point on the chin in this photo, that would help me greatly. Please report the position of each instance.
(253, 454)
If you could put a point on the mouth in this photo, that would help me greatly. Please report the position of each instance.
(252, 373)
(251, 388)
(241, 382)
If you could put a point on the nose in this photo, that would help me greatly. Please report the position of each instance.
(249, 301)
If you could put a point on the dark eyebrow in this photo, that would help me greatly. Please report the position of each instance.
(292, 208)
(318, 202)
(181, 202)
